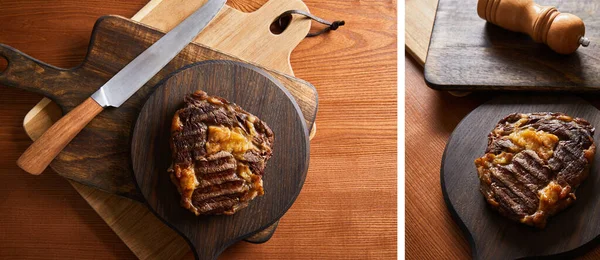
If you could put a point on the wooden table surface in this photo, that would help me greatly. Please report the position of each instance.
(431, 116)
(347, 208)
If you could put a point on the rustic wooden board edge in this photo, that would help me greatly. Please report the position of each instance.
(578, 251)
(270, 227)
(514, 88)
(426, 74)
(450, 206)
(440, 86)
(435, 20)
(413, 53)
(264, 235)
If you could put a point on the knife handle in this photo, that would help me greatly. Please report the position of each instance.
(39, 155)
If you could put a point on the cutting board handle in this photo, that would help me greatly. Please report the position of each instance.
(25, 72)
(248, 35)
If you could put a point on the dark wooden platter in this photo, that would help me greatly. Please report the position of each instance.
(256, 92)
(492, 236)
(99, 155)
(467, 53)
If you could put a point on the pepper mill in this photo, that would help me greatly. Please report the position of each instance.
(562, 32)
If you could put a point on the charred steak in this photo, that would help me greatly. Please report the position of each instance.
(219, 155)
(534, 163)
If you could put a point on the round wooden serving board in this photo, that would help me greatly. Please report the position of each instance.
(256, 92)
(492, 236)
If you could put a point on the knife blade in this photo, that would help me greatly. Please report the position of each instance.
(118, 89)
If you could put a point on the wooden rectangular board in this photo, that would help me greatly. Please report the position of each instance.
(467, 53)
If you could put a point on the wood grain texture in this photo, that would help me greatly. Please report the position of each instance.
(104, 164)
(257, 93)
(467, 53)
(431, 233)
(42, 216)
(354, 69)
(431, 116)
(243, 35)
(418, 24)
(492, 235)
(70, 228)
(146, 236)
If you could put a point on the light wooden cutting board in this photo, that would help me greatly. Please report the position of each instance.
(248, 37)
(419, 22)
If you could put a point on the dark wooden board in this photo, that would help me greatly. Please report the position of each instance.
(467, 53)
(256, 92)
(492, 236)
(99, 155)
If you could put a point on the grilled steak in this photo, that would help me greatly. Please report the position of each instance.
(219, 155)
(534, 163)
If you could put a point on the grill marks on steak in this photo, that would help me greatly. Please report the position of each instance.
(514, 186)
(219, 155)
(533, 164)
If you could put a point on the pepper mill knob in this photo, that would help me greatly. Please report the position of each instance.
(562, 32)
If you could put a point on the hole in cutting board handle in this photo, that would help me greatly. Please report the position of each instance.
(3, 64)
(280, 23)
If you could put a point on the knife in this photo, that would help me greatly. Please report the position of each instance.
(118, 89)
